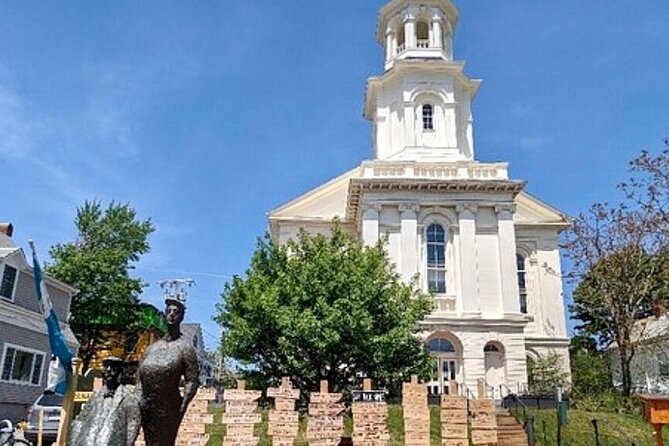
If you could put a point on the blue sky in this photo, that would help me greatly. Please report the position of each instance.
(205, 115)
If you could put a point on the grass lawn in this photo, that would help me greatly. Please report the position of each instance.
(395, 427)
(615, 429)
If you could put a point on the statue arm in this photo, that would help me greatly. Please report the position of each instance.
(191, 377)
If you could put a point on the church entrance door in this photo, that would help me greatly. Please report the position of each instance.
(495, 368)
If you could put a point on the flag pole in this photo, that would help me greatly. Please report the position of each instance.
(68, 405)
(59, 348)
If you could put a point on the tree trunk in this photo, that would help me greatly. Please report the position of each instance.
(625, 360)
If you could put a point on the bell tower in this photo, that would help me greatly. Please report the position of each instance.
(421, 106)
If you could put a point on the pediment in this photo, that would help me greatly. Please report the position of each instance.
(325, 202)
(532, 211)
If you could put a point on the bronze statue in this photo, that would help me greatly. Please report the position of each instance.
(111, 416)
(160, 373)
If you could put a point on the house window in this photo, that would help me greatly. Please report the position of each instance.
(22, 366)
(8, 282)
(436, 259)
(522, 282)
(428, 117)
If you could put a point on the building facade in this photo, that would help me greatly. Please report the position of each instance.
(24, 341)
(486, 249)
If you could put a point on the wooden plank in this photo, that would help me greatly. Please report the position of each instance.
(453, 402)
(482, 437)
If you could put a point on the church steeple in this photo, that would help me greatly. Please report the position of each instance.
(421, 105)
(417, 29)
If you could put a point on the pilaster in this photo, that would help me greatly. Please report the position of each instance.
(390, 44)
(409, 240)
(410, 30)
(470, 299)
(437, 31)
(507, 257)
(370, 223)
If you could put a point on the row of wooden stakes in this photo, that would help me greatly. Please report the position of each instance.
(460, 418)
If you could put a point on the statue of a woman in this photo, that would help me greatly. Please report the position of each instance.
(160, 373)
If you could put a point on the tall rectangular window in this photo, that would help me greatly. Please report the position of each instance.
(8, 282)
(522, 282)
(436, 259)
(22, 366)
(428, 117)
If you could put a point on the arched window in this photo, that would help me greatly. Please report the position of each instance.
(489, 347)
(522, 282)
(436, 259)
(440, 345)
(423, 34)
(401, 39)
(428, 117)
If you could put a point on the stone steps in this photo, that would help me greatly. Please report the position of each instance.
(509, 431)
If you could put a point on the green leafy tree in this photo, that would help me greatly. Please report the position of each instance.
(590, 368)
(545, 374)
(98, 263)
(324, 308)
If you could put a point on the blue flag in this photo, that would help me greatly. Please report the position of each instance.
(59, 347)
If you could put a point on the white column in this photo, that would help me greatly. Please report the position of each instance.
(471, 302)
(370, 223)
(390, 40)
(507, 257)
(437, 33)
(409, 240)
(410, 32)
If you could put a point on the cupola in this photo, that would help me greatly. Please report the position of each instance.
(417, 29)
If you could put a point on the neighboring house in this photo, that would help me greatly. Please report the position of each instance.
(24, 342)
(650, 364)
(484, 247)
(192, 334)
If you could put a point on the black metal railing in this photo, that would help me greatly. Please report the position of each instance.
(528, 421)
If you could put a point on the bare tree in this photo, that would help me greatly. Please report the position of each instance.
(619, 259)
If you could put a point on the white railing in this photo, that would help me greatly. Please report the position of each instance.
(445, 304)
(423, 43)
(440, 171)
(401, 48)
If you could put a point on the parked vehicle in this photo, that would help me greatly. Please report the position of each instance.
(7, 435)
(51, 404)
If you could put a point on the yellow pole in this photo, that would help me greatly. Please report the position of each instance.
(40, 429)
(68, 405)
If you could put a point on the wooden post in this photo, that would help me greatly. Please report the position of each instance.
(325, 424)
(453, 388)
(40, 428)
(366, 384)
(658, 434)
(481, 389)
(68, 405)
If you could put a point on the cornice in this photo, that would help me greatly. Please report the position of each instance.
(358, 186)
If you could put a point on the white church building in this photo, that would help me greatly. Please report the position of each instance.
(486, 249)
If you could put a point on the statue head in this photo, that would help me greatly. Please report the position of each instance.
(112, 373)
(174, 312)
